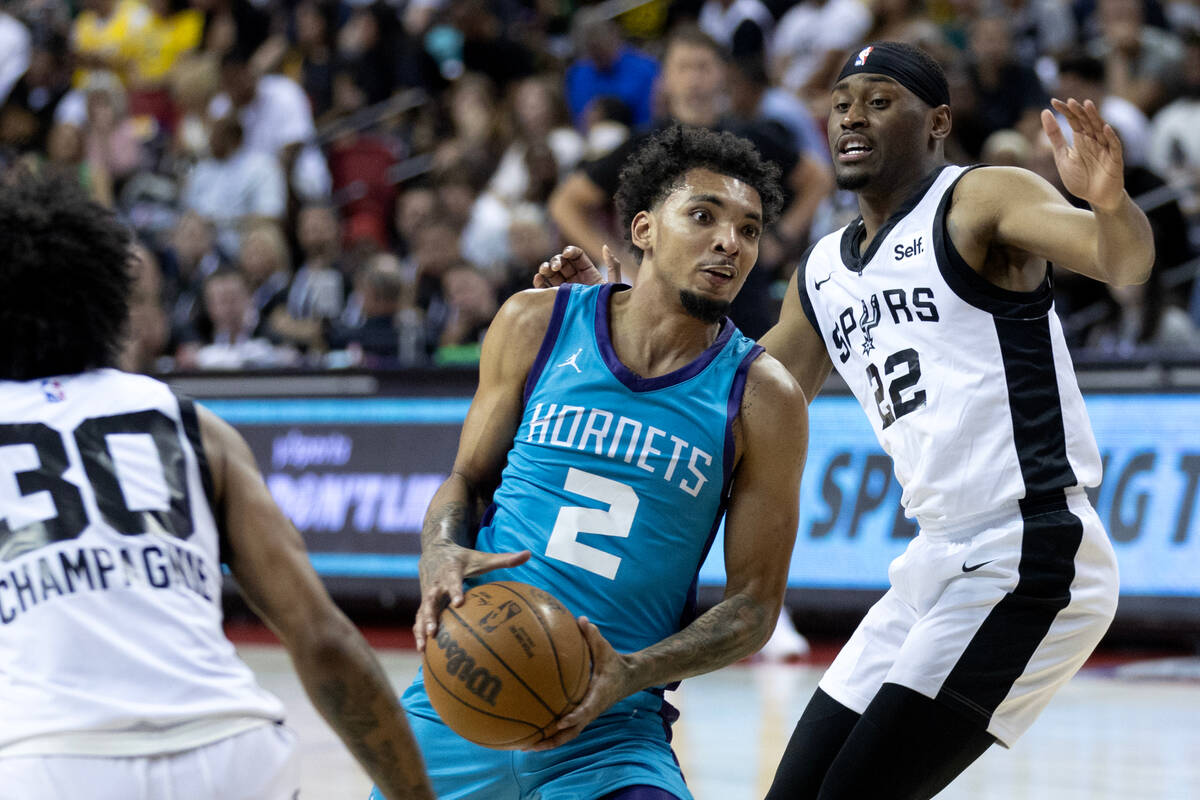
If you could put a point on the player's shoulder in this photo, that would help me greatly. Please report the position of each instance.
(524, 317)
(983, 194)
(996, 184)
(771, 393)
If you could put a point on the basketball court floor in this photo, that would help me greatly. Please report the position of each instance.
(1123, 729)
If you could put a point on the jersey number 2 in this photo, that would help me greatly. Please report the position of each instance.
(573, 520)
(42, 470)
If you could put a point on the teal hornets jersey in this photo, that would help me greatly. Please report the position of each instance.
(617, 483)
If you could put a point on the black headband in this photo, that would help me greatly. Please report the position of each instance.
(899, 63)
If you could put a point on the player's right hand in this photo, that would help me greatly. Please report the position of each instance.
(572, 265)
(443, 568)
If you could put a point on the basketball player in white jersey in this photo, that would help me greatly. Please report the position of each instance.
(936, 308)
(118, 504)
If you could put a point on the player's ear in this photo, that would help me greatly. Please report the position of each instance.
(641, 230)
(939, 122)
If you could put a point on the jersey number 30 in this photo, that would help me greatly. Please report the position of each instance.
(33, 461)
(573, 520)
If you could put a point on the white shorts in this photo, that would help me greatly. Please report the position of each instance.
(992, 619)
(259, 764)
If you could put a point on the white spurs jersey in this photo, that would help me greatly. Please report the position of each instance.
(969, 386)
(110, 576)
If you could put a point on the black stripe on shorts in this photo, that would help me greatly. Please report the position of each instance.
(1005, 642)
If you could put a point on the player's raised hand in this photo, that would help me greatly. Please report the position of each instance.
(1092, 167)
(610, 682)
(572, 265)
(443, 568)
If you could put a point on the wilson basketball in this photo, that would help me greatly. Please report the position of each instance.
(506, 665)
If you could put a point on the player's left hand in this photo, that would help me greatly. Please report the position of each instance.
(1092, 167)
(610, 682)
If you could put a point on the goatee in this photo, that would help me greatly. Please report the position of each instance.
(702, 308)
(852, 182)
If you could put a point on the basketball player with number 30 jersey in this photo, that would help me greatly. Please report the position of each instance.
(118, 504)
(611, 429)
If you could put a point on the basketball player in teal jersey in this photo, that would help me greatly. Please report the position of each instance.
(936, 308)
(611, 430)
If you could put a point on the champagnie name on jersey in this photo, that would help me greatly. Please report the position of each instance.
(31, 582)
(856, 323)
(604, 433)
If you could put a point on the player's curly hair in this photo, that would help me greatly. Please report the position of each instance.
(64, 278)
(656, 169)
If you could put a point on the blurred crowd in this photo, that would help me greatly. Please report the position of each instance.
(338, 183)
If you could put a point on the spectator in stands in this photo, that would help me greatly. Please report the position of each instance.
(1140, 61)
(310, 59)
(1142, 316)
(276, 121)
(811, 40)
(475, 136)
(236, 187)
(194, 82)
(753, 97)
(607, 66)
(1084, 78)
(1005, 93)
(234, 342)
(416, 208)
(486, 47)
(265, 261)
(317, 294)
(107, 35)
(367, 50)
(173, 30)
(190, 257)
(386, 336)
(27, 115)
(1040, 29)
(607, 123)
(544, 149)
(15, 52)
(471, 304)
(1174, 148)
(740, 26)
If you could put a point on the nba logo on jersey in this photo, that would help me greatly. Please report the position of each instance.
(53, 390)
(862, 56)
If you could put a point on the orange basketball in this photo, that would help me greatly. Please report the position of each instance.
(506, 665)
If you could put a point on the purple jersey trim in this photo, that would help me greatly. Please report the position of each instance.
(561, 298)
(635, 382)
(733, 408)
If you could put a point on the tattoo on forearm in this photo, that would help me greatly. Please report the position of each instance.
(725, 633)
(450, 520)
(356, 699)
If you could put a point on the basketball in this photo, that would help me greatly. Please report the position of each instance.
(506, 665)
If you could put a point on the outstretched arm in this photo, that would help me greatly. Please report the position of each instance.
(336, 666)
(1007, 207)
(760, 529)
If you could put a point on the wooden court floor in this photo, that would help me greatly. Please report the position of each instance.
(1118, 731)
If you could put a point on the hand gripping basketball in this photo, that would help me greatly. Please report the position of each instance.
(506, 665)
(443, 568)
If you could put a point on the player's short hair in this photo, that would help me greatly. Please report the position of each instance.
(656, 169)
(64, 279)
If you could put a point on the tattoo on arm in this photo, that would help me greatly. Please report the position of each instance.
(728, 631)
(450, 521)
(352, 693)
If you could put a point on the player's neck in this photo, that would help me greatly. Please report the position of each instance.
(879, 202)
(652, 334)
